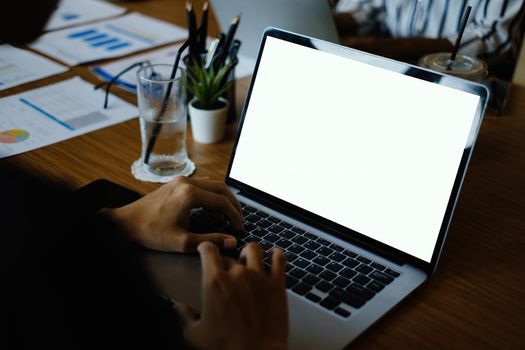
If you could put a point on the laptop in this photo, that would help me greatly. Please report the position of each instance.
(309, 17)
(352, 164)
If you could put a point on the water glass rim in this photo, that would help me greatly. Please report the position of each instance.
(178, 76)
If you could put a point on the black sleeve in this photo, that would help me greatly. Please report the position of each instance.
(70, 279)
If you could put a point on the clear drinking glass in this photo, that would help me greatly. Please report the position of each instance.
(162, 112)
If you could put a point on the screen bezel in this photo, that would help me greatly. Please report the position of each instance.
(332, 227)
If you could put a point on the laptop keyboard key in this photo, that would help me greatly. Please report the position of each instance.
(310, 236)
(321, 260)
(337, 257)
(302, 288)
(264, 223)
(333, 266)
(324, 241)
(297, 273)
(288, 234)
(249, 227)
(283, 243)
(364, 269)
(302, 263)
(274, 219)
(364, 260)
(324, 251)
(348, 298)
(341, 282)
(381, 277)
(350, 263)
(342, 312)
(272, 237)
(375, 286)
(336, 247)
(291, 281)
(290, 256)
(361, 279)
(346, 272)
(327, 275)
(262, 214)
(299, 240)
(315, 269)
(295, 248)
(298, 230)
(392, 273)
(311, 245)
(324, 286)
(377, 266)
(260, 232)
(285, 225)
(252, 218)
(350, 253)
(360, 291)
(275, 228)
(329, 303)
(313, 297)
(311, 279)
(308, 254)
(250, 209)
(266, 245)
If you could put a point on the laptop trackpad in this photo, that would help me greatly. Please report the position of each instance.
(177, 275)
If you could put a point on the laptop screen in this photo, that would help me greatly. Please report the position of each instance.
(368, 148)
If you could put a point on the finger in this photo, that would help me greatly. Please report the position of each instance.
(253, 255)
(219, 202)
(278, 262)
(210, 260)
(217, 187)
(186, 241)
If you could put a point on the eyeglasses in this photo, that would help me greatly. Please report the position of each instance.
(109, 83)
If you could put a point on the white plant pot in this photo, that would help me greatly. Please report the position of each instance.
(208, 126)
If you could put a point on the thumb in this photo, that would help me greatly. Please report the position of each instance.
(188, 242)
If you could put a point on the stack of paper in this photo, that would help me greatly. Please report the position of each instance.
(19, 66)
(111, 38)
(75, 12)
(57, 112)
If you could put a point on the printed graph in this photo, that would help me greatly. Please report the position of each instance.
(13, 136)
(96, 38)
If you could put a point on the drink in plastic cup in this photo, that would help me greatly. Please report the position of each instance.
(466, 67)
(162, 124)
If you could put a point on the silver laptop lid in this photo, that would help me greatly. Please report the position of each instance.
(370, 148)
(309, 17)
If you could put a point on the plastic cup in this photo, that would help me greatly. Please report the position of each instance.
(465, 67)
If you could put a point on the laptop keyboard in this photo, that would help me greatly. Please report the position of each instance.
(317, 269)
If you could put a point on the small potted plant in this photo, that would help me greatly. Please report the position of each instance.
(208, 109)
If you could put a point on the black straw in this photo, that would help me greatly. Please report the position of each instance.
(458, 39)
(156, 130)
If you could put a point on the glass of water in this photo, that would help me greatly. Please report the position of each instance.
(162, 111)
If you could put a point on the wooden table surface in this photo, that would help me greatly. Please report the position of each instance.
(476, 298)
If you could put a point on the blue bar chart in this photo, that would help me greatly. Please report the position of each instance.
(99, 39)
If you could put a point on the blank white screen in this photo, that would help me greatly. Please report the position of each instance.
(370, 149)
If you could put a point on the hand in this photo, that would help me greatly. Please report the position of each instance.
(243, 306)
(160, 219)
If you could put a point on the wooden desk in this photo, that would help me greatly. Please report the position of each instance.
(475, 300)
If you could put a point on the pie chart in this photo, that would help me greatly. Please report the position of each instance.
(13, 136)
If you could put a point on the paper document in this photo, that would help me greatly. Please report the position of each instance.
(75, 12)
(128, 81)
(19, 66)
(111, 38)
(57, 112)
